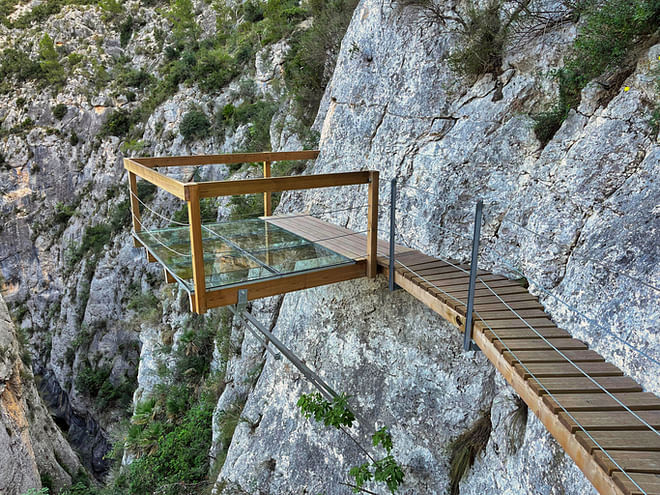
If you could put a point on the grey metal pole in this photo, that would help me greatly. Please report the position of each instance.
(392, 285)
(468, 344)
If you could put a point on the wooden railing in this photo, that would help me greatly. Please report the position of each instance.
(193, 192)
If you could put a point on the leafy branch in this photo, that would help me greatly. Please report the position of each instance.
(337, 414)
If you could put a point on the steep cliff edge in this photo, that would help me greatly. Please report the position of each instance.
(34, 451)
(590, 196)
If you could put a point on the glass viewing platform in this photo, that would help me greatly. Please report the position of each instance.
(238, 252)
(220, 264)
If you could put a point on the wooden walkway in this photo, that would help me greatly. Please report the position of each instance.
(518, 353)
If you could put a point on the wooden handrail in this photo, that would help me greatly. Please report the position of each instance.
(185, 161)
(172, 186)
(278, 184)
(193, 192)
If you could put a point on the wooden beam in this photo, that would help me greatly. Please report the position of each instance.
(135, 207)
(186, 161)
(268, 203)
(277, 184)
(168, 276)
(282, 285)
(372, 226)
(172, 186)
(593, 471)
(447, 312)
(196, 248)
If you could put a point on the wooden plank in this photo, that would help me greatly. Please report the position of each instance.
(629, 461)
(268, 203)
(372, 226)
(506, 314)
(168, 276)
(197, 249)
(635, 401)
(610, 420)
(187, 161)
(583, 385)
(461, 292)
(539, 345)
(170, 185)
(527, 333)
(553, 356)
(276, 184)
(592, 470)
(647, 441)
(493, 281)
(513, 322)
(455, 276)
(547, 370)
(494, 304)
(650, 483)
(290, 283)
(448, 270)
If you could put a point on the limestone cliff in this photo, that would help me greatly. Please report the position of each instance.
(577, 216)
(590, 196)
(34, 451)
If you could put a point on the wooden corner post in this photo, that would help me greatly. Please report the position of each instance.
(372, 226)
(196, 247)
(268, 203)
(135, 207)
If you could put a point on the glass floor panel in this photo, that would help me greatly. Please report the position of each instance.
(237, 252)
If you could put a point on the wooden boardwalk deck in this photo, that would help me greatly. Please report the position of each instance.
(536, 370)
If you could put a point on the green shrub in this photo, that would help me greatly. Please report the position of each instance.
(178, 458)
(39, 13)
(182, 16)
(146, 190)
(74, 139)
(215, 69)
(312, 57)
(482, 42)
(59, 111)
(134, 78)
(608, 35)
(194, 125)
(89, 380)
(63, 213)
(49, 61)
(117, 124)
(146, 305)
(546, 124)
(18, 64)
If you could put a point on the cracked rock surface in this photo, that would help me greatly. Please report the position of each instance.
(578, 218)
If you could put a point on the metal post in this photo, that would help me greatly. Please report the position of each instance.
(468, 344)
(392, 285)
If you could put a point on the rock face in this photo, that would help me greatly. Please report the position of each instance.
(578, 218)
(33, 448)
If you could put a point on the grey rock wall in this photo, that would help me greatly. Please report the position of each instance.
(589, 196)
(32, 444)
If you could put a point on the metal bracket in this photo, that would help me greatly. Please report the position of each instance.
(392, 285)
(468, 343)
(242, 300)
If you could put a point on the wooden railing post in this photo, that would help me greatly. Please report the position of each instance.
(135, 207)
(268, 204)
(196, 247)
(372, 226)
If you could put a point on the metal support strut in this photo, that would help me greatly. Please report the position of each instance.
(393, 286)
(468, 343)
